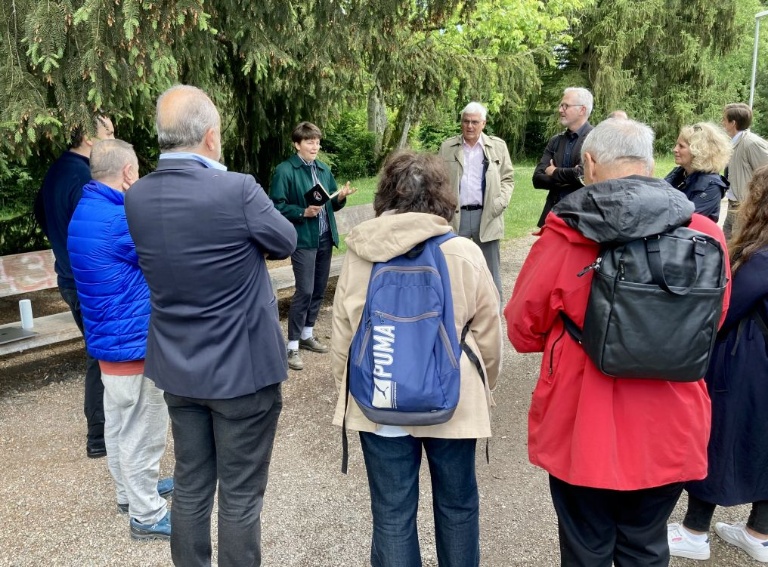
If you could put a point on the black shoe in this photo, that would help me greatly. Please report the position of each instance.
(95, 450)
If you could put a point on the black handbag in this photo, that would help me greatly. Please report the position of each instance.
(654, 306)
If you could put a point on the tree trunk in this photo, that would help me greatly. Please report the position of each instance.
(377, 118)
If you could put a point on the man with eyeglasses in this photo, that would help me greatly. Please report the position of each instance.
(560, 170)
(481, 174)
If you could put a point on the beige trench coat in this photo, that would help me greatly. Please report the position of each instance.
(499, 182)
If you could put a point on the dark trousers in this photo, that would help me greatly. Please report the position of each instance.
(311, 267)
(93, 403)
(229, 441)
(698, 516)
(393, 464)
(598, 527)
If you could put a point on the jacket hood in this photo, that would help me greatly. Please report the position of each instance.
(390, 235)
(620, 210)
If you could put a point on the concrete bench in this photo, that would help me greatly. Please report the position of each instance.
(33, 271)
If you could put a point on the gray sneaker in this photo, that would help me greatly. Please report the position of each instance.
(294, 360)
(312, 344)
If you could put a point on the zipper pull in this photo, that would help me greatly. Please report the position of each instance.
(622, 271)
(593, 266)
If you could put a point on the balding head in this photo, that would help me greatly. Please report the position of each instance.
(185, 120)
(114, 163)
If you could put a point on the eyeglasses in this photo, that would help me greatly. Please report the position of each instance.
(472, 122)
(564, 106)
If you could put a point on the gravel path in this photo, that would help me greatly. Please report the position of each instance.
(58, 507)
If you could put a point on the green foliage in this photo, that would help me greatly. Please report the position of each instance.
(351, 147)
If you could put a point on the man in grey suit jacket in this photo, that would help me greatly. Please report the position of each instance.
(215, 345)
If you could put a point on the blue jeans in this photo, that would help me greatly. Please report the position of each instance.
(392, 464)
(93, 401)
(229, 441)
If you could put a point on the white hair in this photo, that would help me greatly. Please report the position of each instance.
(614, 141)
(475, 108)
(583, 96)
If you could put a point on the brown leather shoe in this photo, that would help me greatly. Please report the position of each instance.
(312, 344)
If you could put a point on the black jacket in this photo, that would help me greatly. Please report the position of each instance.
(565, 180)
(704, 190)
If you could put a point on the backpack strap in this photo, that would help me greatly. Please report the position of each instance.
(480, 370)
(762, 326)
(656, 264)
(344, 441)
(572, 328)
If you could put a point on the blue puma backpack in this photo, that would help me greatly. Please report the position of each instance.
(403, 366)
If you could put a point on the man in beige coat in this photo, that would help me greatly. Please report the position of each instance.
(750, 152)
(413, 203)
(482, 177)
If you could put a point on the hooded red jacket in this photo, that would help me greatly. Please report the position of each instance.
(584, 427)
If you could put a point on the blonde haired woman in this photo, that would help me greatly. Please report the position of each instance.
(701, 152)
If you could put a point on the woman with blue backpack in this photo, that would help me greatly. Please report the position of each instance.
(416, 351)
(737, 382)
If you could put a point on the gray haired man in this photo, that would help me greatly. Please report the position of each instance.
(482, 176)
(560, 169)
(215, 345)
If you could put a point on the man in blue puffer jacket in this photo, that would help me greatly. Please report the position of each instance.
(114, 299)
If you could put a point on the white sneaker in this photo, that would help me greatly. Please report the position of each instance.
(682, 545)
(737, 535)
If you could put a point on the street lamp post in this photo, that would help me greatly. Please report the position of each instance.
(754, 56)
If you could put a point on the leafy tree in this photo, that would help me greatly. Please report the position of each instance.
(658, 59)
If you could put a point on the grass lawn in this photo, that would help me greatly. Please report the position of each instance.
(524, 207)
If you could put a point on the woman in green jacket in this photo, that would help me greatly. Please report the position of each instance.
(316, 231)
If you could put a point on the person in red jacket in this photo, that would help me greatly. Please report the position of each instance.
(617, 451)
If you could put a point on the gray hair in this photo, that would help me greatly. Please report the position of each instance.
(614, 141)
(109, 157)
(475, 108)
(184, 115)
(583, 96)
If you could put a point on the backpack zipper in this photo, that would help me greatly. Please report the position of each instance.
(593, 266)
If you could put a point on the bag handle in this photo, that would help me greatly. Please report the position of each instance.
(655, 262)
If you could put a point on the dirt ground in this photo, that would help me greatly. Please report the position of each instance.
(58, 507)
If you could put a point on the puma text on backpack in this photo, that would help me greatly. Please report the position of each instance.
(654, 306)
(404, 358)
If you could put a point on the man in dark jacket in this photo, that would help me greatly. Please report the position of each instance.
(215, 345)
(560, 170)
(115, 304)
(55, 203)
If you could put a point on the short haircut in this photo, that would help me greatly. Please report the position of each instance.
(618, 115)
(412, 182)
(740, 113)
(615, 141)
(183, 120)
(583, 96)
(710, 146)
(306, 131)
(78, 133)
(109, 157)
(475, 108)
